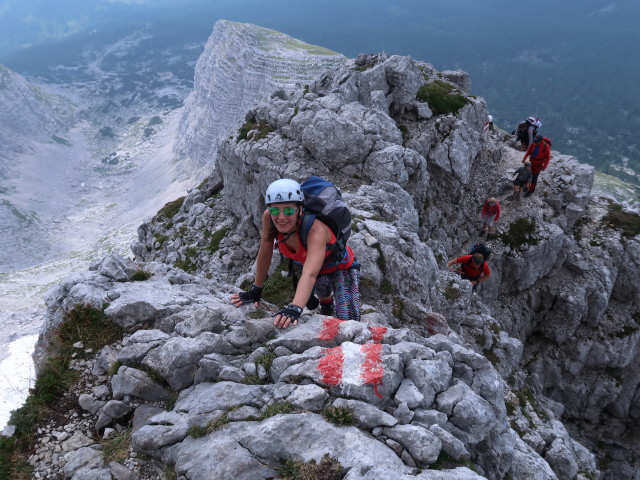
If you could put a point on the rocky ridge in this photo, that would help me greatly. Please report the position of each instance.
(484, 379)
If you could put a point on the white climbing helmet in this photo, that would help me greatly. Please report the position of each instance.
(490, 118)
(284, 190)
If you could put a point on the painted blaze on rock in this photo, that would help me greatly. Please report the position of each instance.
(351, 363)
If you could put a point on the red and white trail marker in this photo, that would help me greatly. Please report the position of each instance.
(351, 363)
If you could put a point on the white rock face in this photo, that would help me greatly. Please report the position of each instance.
(241, 64)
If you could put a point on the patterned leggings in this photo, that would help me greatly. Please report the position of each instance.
(345, 287)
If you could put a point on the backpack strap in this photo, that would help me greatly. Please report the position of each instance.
(305, 227)
(535, 151)
(336, 249)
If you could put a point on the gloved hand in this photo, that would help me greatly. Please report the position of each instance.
(289, 315)
(250, 296)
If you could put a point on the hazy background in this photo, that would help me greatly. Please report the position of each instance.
(574, 63)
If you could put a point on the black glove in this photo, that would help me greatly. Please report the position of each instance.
(252, 295)
(292, 311)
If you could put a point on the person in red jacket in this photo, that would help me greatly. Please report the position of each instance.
(490, 214)
(473, 268)
(540, 153)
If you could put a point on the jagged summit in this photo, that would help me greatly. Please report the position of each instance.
(520, 381)
(240, 65)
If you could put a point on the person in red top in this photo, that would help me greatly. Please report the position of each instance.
(322, 273)
(490, 214)
(473, 268)
(540, 153)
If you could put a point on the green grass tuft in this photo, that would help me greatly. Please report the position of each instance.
(627, 222)
(171, 208)
(278, 289)
(253, 380)
(328, 469)
(451, 293)
(380, 261)
(339, 415)
(254, 131)
(216, 238)
(160, 238)
(277, 408)
(140, 276)
(170, 473)
(386, 287)
(85, 324)
(442, 97)
(521, 231)
(186, 264)
(116, 448)
(88, 325)
(196, 431)
(217, 423)
(266, 359)
(115, 366)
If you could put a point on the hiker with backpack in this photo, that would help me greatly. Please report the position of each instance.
(473, 267)
(540, 153)
(526, 131)
(292, 220)
(522, 179)
(490, 215)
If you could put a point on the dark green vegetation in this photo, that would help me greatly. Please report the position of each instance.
(254, 131)
(328, 469)
(216, 238)
(520, 231)
(446, 462)
(339, 415)
(442, 97)
(278, 289)
(116, 448)
(451, 293)
(171, 208)
(277, 408)
(627, 222)
(265, 360)
(140, 276)
(188, 263)
(84, 324)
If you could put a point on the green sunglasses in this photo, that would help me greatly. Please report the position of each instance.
(288, 211)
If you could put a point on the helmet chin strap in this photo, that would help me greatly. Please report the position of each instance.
(288, 235)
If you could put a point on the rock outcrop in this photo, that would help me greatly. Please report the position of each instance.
(383, 402)
(240, 65)
(531, 378)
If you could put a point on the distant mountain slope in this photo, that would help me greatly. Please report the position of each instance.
(28, 115)
(241, 64)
